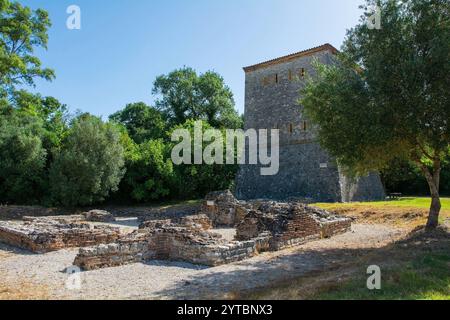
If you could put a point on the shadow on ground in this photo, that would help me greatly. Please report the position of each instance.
(251, 277)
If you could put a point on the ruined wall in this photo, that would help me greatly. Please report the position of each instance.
(223, 209)
(45, 234)
(127, 250)
(290, 224)
(209, 249)
(167, 241)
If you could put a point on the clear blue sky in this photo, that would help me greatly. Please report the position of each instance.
(123, 45)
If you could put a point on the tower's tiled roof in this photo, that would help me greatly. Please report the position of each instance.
(292, 56)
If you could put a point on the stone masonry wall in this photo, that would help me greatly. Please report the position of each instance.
(129, 249)
(290, 224)
(306, 170)
(45, 234)
(168, 241)
(223, 209)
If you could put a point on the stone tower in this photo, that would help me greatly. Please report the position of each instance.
(306, 170)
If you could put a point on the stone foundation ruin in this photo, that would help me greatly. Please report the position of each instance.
(290, 224)
(45, 234)
(261, 226)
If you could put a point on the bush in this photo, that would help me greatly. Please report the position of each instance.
(90, 164)
(22, 158)
(195, 181)
(149, 172)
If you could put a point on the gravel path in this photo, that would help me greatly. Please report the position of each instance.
(176, 280)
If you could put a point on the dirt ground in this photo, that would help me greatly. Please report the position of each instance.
(43, 276)
(378, 236)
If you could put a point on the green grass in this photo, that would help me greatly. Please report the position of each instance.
(425, 278)
(417, 202)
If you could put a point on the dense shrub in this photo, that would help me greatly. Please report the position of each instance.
(22, 158)
(149, 175)
(194, 181)
(89, 165)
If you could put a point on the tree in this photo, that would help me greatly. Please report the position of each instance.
(387, 96)
(149, 174)
(185, 95)
(21, 31)
(53, 114)
(22, 157)
(90, 164)
(142, 122)
(194, 181)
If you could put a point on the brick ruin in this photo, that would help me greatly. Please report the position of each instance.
(261, 226)
(224, 209)
(290, 224)
(166, 241)
(45, 234)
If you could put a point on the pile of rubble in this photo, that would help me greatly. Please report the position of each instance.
(47, 234)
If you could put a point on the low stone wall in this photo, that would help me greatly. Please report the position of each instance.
(148, 214)
(129, 249)
(169, 241)
(200, 221)
(44, 235)
(99, 216)
(184, 244)
(262, 226)
(18, 212)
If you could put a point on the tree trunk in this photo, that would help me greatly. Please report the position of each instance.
(435, 209)
(433, 180)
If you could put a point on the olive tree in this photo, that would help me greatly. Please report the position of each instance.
(387, 96)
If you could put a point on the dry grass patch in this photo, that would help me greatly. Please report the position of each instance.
(23, 291)
(407, 213)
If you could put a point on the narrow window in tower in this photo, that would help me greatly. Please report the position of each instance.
(276, 77)
(305, 125)
(291, 128)
(302, 73)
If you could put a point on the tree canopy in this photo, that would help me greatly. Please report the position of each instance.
(387, 95)
(22, 30)
(184, 95)
(142, 121)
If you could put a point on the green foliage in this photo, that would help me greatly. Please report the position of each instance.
(388, 96)
(404, 177)
(22, 157)
(21, 31)
(427, 277)
(89, 165)
(53, 114)
(185, 95)
(142, 122)
(149, 174)
(194, 181)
